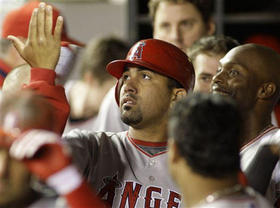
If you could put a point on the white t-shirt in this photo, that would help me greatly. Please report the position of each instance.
(249, 200)
(248, 152)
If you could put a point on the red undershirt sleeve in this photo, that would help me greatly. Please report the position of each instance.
(42, 81)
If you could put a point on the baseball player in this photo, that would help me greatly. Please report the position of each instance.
(180, 22)
(199, 119)
(128, 169)
(249, 74)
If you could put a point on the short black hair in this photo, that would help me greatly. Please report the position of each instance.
(206, 129)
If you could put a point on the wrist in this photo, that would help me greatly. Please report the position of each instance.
(66, 180)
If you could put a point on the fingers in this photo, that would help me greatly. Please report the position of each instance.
(19, 45)
(49, 21)
(32, 33)
(58, 29)
(41, 22)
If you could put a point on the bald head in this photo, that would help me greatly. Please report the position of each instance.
(259, 59)
(16, 79)
(261, 63)
(250, 74)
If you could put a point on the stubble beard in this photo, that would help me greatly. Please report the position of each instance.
(131, 117)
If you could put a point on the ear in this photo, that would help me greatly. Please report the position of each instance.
(211, 27)
(177, 94)
(267, 90)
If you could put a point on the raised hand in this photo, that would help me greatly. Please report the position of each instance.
(42, 47)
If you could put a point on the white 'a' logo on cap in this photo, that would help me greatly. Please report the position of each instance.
(137, 51)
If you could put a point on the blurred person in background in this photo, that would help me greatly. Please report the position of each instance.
(205, 54)
(87, 92)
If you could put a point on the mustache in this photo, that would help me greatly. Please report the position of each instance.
(130, 95)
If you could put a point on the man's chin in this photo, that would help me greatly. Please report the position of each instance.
(130, 120)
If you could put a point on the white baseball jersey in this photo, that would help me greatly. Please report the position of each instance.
(271, 135)
(121, 172)
(249, 200)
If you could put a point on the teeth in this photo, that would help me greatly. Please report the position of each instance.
(129, 102)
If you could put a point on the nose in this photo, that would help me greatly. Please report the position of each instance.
(130, 86)
(175, 35)
(218, 78)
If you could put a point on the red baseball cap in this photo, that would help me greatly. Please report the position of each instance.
(16, 22)
(158, 56)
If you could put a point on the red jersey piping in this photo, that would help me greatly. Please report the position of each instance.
(258, 137)
(136, 142)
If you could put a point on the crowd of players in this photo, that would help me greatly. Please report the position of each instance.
(191, 120)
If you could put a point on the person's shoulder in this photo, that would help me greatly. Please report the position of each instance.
(87, 134)
(271, 136)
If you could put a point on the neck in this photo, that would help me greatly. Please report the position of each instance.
(193, 194)
(255, 124)
(151, 133)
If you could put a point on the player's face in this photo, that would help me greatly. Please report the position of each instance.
(14, 180)
(144, 97)
(236, 79)
(205, 67)
(180, 24)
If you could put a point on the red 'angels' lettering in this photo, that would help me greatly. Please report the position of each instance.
(107, 192)
(131, 192)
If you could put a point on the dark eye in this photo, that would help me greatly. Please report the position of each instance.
(146, 76)
(206, 78)
(233, 73)
(187, 24)
(125, 77)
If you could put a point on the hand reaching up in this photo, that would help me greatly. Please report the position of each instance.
(42, 47)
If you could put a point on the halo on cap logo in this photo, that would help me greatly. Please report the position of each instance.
(137, 51)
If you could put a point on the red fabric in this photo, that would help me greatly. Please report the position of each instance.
(48, 160)
(277, 113)
(42, 82)
(17, 22)
(242, 179)
(266, 40)
(84, 197)
(4, 68)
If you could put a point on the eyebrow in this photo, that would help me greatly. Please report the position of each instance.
(140, 68)
(204, 73)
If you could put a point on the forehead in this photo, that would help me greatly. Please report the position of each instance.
(237, 56)
(136, 68)
(207, 63)
(173, 11)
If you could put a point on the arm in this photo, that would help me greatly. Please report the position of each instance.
(41, 51)
(260, 170)
(50, 161)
